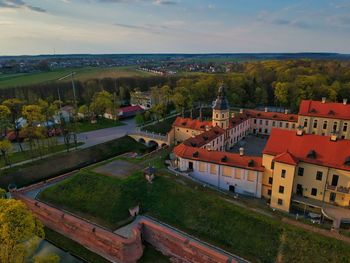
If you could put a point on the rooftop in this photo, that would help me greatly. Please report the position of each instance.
(309, 148)
(218, 157)
(272, 115)
(332, 110)
(205, 137)
(193, 124)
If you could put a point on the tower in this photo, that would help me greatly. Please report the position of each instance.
(221, 111)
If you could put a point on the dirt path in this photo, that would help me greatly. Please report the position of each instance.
(317, 230)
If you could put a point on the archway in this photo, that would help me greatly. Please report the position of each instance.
(142, 140)
(153, 145)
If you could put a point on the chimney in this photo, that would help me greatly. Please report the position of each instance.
(193, 135)
(266, 109)
(334, 136)
(345, 101)
(323, 99)
(232, 115)
(300, 130)
(208, 147)
(241, 111)
(207, 128)
(241, 151)
(286, 111)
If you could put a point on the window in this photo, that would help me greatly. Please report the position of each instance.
(273, 123)
(280, 201)
(266, 131)
(335, 180)
(269, 192)
(281, 124)
(281, 189)
(266, 122)
(213, 169)
(226, 171)
(222, 115)
(217, 115)
(251, 176)
(238, 173)
(332, 197)
(272, 165)
(202, 167)
(319, 176)
(283, 173)
(293, 126)
(287, 125)
(325, 125)
(315, 123)
(300, 171)
(254, 121)
(260, 121)
(270, 180)
(345, 127)
(335, 126)
(314, 191)
(305, 123)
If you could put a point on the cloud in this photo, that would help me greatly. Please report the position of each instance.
(20, 4)
(286, 22)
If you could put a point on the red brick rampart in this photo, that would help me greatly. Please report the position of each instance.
(97, 239)
(179, 247)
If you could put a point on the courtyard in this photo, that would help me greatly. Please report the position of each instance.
(252, 144)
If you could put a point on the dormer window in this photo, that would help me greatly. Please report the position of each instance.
(313, 110)
(331, 112)
(251, 163)
(224, 159)
(184, 123)
(195, 154)
(312, 154)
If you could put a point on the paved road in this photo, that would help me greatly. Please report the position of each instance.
(98, 136)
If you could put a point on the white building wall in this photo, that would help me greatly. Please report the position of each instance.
(242, 185)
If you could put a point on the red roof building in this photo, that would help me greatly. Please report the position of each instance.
(193, 124)
(288, 147)
(324, 109)
(272, 115)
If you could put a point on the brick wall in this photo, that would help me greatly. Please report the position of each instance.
(179, 247)
(97, 239)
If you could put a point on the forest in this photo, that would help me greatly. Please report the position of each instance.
(282, 83)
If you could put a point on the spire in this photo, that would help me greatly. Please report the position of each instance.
(221, 102)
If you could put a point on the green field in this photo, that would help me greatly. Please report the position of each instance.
(23, 79)
(199, 211)
(101, 123)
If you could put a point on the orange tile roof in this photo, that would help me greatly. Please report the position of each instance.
(270, 115)
(192, 124)
(217, 157)
(286, 157)
(331, 110)
(309, 148)
(205, 137)
(238, 119)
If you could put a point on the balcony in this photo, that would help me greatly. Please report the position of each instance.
(340, 189)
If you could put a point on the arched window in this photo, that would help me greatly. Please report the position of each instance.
(315, 123)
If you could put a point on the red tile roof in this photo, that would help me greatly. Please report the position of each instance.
(191, 124)
(222, 158)
(205, 137)
(238, 119)
(309, 148)
(270, 115)
(286, 157)
(331, 110)
(128, 109)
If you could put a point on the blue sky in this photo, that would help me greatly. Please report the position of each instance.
(158, 26)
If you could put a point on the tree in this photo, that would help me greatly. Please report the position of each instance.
(84, 111)
(19, 231)
(4, 119)
(139, 119)
(101, 101)
(15, 107)
(2, 193)
(50, 258)
(33, 115)
(281, 93)
(5, 148)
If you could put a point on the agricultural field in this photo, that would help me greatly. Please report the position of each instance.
(23, 79)
(194, 209)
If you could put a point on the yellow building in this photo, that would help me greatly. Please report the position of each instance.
(325, 118)
(312, 167)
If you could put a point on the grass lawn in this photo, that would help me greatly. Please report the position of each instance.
(23, 79)
(162, 127)
(102, 123)
(199, 211)
(17, 157)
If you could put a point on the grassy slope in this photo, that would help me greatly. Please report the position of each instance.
(162, 127)
(15, 80)
(198, 211)
(102, 123)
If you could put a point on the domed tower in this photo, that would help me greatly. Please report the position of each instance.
(221, 110)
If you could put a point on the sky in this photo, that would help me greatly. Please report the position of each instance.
(173, 26)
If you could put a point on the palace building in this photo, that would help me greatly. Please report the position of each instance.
(306, 158)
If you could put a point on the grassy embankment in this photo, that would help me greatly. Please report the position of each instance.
(23, 79)
(196, 210)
